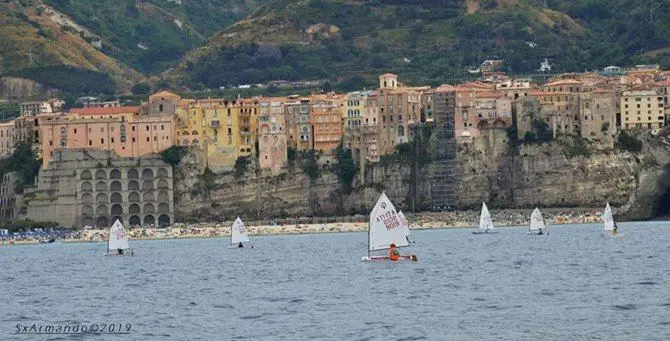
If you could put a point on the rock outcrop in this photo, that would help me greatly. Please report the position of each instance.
(535, 175)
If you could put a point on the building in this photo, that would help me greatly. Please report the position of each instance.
(222, 130)
(326, 119)
(399, 107)
(299, 123)
(272, 134)
(163, 103)
(95, 188)
(642, 109)
(8, 198)
(96, 102)
(119, 129)
(597, 115)
(51, 106)
(7, 137)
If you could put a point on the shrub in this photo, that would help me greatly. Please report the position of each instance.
(174, 154)
(628, 143)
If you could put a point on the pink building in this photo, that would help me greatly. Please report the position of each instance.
(121, 129)
(272, 134)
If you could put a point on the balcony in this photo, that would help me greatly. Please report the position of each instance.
(215, 123)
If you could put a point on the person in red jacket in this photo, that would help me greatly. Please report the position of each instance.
(394, 254)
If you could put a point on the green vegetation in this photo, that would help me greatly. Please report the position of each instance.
(241, 166)
(628, 142)
(9, 110)
(125, 24)
(345, 168)
(575, 146)
(68, 78)
(141, 89)
(309, 163)
(24, 162)
(23, 225)
(541, 132)
(439, 38)
(174, 154)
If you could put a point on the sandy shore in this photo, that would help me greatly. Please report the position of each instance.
(421, 221)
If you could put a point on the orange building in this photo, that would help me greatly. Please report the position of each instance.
(327, 126)
(121, 129)
(272, 134)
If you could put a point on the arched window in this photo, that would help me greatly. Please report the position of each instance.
(148, 208)
(116, 198)
(101, 186)
(100, 174)
(134, 209)
(85, 175)
(115, 174)
(101, 198)
(133, 197)
(133, 174)
(147, 174)
(133, 185)
(86, 186)
(116, 186)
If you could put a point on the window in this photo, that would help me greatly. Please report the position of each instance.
(147, 128)
(133, 128)
(75, 130)
(155, 138)
(89, 130)
(102, 141)
(112, 140)
(51, 143)
(102, 130)
(162, 127)
(90, 142)
(147, 138)
(160, 108)
(133, 139)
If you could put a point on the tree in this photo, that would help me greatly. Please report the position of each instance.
(346, 168)
(327, 87)
(174, 154)
(24, 162)
(141, 89)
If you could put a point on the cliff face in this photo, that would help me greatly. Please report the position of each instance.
(538, 175)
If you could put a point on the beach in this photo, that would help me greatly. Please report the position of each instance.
(418, 221)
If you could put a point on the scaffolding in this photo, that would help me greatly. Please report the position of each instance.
(443, 167)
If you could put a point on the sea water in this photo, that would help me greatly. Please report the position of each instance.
(573, 284)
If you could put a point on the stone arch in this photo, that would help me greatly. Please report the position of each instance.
(147, 185)
(164, 220)
(116, 186)
(100, 174)
(116, 198)
(102, 222)
(147, 173)
(148, 196)
(86, 186)
(133, 185)
(117, 209)
(115, 174)
(86, 175)
(163, 196)
(148, 208)
(86, 221)
(163, 184)
(101, 209)
(87, 210)
(133, 174)
(162, 173)
(101, 186)
(163, 208)
(87, 198)
(134, 220)
(133, 197)
(134, 209)
(149, 220)
(101, 198)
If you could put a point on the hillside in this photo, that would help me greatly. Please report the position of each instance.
(36, 46)
(429, 41)
(152, 35)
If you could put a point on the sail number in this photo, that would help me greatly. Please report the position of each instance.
(390, 220)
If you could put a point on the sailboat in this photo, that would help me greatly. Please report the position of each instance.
(608, 222)
(385, 228)
(537, 224)
(485, 222)
(405, 226)
(118, 240)
(238, 233)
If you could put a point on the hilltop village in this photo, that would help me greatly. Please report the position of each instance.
(101, 162)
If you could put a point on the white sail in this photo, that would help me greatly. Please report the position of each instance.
(238, 233)
(385, 227)
(608, 219)
(117, 237)
(404, 222)
(537, 221)
(485, 221)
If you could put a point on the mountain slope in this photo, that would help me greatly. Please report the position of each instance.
(32, 40)
(151, 35)
(424, 41)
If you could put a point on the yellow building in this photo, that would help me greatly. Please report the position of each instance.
(224, 130)
(642, 109)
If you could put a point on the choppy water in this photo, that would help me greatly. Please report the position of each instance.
(573, 284)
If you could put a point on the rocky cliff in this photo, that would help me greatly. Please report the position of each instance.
(563, 174)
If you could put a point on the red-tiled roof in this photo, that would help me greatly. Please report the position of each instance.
(105, 111)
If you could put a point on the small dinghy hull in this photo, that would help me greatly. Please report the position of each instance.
(386, 258)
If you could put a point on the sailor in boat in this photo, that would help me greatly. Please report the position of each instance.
(119, 251)
(540, 231)
(240, 245)
(394, 254)
(614, 229)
